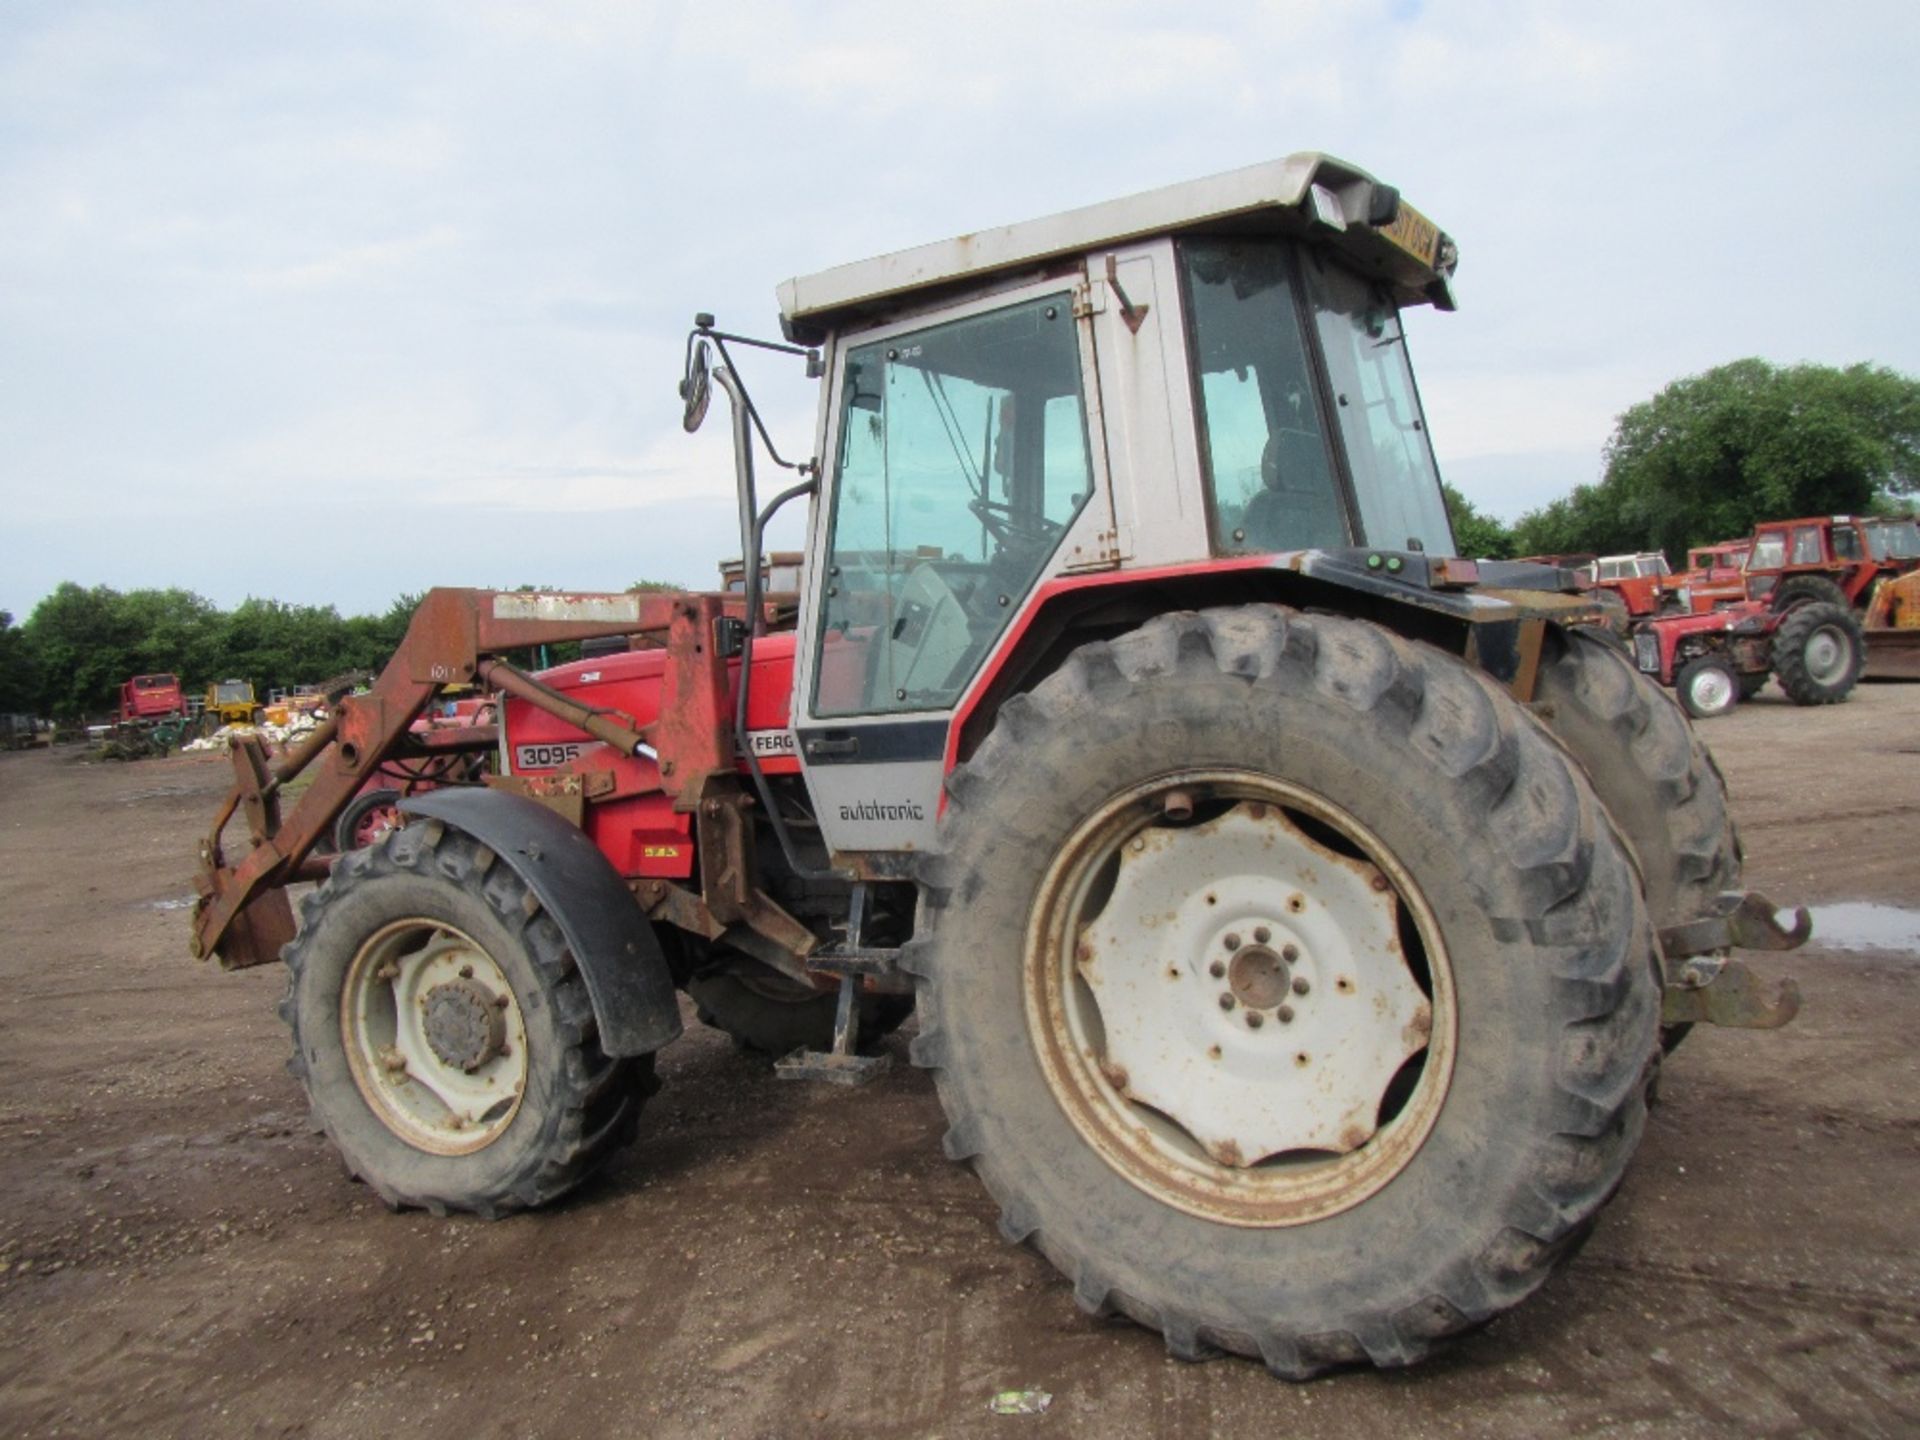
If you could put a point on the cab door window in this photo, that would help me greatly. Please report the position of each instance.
(963, 457)
(1271, 484)
(1806, 545)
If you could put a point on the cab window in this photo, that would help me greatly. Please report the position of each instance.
(1396, 484)
(1269, 472)
(1806, 545)
(963, 457)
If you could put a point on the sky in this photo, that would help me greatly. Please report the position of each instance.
(330, 302)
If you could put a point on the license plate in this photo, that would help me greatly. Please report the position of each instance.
(1414, 233)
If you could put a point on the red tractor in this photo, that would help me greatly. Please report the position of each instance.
(1292, 909)
(1639, 580)
(1714, 659)
(1836, 559)
(151, 697)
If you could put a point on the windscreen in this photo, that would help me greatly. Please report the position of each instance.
(1395, 481)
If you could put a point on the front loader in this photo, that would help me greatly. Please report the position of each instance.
(1294, 910)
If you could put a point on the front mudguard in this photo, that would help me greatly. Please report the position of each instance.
(618, 954)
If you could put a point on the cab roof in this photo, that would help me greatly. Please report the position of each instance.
(1308, 194)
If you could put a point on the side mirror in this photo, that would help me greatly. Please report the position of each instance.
(696, 389)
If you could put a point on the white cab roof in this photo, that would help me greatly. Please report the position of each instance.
(1304, 193)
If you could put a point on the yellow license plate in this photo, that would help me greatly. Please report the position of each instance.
(1414, 233)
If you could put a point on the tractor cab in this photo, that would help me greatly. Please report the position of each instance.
(1194, 381)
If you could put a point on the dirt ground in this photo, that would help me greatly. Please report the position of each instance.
(179, 1256)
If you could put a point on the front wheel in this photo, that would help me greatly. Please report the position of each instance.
(1285, 984)
(1707, 687)
(444, 1034)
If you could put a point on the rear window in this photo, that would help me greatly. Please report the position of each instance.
(154, 682)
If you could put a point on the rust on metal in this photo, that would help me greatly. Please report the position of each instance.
(1735, 997)
(1737, 922)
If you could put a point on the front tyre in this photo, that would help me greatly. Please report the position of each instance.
(1286, 986)
(1707, 687)
(444, 1034)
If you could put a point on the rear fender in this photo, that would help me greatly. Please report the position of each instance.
(615, 947)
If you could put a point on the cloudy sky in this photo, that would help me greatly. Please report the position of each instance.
(332, 301)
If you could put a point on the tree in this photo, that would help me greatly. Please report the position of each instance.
(1712, 454)
(19, 669)
(1478, 536)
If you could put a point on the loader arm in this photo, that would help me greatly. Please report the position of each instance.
(242, 913)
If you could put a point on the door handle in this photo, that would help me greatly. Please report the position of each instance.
(823, 748)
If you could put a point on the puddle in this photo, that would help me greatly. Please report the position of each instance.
(1864, 925)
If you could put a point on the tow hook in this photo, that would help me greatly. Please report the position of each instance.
(1705, 987)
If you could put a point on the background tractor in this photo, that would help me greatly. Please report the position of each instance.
(230, 702)
(1292, 908)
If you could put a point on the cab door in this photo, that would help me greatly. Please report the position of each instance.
(960, 469)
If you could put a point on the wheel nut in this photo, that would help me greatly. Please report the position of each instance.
(1262, 935)
(1226, 1002)
(466, 972)
(1232, 941)
(1285, 1012)
(1255, 1019)
(1217, 969)
(1289, 953)
(1300, 986)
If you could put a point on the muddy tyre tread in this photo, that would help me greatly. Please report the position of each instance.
(1578, 896)
(594, 1107)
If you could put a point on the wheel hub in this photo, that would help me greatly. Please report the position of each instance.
(1259, 979)
(463, 1023)
(1825, 656)
(435, 1038)
(1250, 986)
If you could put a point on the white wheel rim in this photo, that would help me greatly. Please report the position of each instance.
(1826, 655)
(1712, 691)
(434, 1036)
(1225, 1006)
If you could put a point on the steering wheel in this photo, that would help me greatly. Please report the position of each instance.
(1011, 528)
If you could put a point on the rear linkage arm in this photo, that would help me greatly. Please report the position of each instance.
(1706, 987)
(241, 912)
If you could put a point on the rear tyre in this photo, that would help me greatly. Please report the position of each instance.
(444, 1034)
(1648, 767)
(1707, 687)
(1443, 991)
(1818, 653)
(766, 1012)
(1807, 590)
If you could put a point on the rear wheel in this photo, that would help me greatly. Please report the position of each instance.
(1310, 1016)
(1818, 653)
(1707, 687)
(1806, 590)
(1658, 782)
(444, 1034)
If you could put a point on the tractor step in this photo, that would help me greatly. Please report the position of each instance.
(842, 1065)
(833, 1069)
